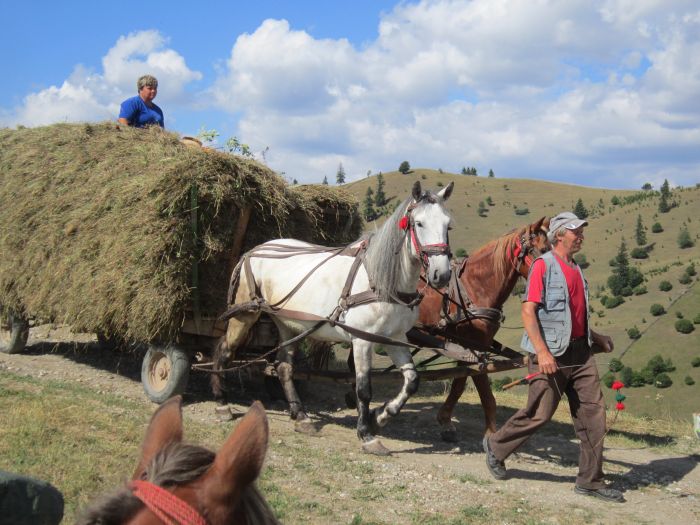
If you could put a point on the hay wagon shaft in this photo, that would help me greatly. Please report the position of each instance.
(132, 235)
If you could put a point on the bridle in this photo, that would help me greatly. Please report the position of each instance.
(424, 251)
(170, 509)
(525, 252)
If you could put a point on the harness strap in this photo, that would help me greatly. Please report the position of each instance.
(170, 509)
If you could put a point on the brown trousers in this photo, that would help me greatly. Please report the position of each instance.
(577, 377)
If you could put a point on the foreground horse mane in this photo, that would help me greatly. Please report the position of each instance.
(176, 464)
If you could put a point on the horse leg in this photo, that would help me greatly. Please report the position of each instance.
(444, 417)
(285, 373)
(350, 396)
(488, 402)
(404, 362)
(236, 333)
(362, 357)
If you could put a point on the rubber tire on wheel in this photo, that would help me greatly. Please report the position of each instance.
(165, 371)
(14, 338)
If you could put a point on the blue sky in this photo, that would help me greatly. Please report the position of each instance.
(598, 93)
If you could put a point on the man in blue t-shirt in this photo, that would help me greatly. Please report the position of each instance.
(140, 111)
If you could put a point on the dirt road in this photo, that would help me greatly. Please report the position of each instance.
(424, 480)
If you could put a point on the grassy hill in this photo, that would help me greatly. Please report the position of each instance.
(609, 225)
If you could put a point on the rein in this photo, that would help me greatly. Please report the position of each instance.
(170, 509)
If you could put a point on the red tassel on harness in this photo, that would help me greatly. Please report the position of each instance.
(403, 223)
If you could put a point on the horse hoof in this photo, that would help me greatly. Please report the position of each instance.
(350, 399)
(305, 426)
(375, 447)
(449, 435)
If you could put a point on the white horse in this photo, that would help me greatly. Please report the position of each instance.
(367, 290)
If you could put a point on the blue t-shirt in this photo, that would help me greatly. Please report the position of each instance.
(139, 115)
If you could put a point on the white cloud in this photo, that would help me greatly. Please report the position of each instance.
(531, 89)
(86, 95)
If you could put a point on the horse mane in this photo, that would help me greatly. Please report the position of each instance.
(499, 249)
(176, 464)
(382, 263)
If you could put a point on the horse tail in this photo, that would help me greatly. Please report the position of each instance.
(235, 281)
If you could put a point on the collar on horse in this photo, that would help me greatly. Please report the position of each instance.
(170, 509)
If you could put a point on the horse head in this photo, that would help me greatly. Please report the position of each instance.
(428, 223)
(532, 243)
(177, 482)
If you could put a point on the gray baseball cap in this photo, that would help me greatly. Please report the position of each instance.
(566, 220)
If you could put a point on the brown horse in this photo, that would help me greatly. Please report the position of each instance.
(186, 484)
(486, 279)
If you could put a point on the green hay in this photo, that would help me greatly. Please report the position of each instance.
(97, 225)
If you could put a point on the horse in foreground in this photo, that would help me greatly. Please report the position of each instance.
(481, 285)
(179, 483)
(364, 294)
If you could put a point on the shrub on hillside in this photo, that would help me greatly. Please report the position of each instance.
(522, 211)
(662, 381)
(690, 270)
(679, 314)
(695, 362)
(684, 326)
(640, 290)
(626, 291)
(689, 380)
(657, 309)
(581, 260)
(656, 227)
(696, 319)
(685, 279)
(615, 365)
(614, 301)
(634, 333)
(608, 379)
(639, 253)
(665, 286)
(461, 253)
(626, 375)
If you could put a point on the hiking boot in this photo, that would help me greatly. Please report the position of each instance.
(602, 493)
(496, 466)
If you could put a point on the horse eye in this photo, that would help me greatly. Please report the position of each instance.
(449, 228)
(419, 224)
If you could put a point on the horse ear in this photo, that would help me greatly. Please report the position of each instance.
(417, 192)
(538, 224)
(165, 427)
(239, 461)
(545, 223)
(446, 191)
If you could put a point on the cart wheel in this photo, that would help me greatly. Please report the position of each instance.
(164, 372)
(14, 333)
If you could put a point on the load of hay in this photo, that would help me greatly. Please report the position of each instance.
(125, 231)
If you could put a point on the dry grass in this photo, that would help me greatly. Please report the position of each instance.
(100, 225)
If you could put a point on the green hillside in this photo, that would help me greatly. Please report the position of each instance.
(609, 225)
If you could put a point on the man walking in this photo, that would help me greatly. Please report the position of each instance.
(559, 339)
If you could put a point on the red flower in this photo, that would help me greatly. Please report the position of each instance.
(403, 223)
(617, 385)
(620, 405)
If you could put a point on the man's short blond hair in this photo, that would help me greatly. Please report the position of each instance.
(146, 80)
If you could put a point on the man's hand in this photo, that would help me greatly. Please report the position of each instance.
(548, 365)
(604, 341)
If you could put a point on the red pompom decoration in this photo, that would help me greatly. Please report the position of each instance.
(620, 405)
(403, 223)
(617, 385)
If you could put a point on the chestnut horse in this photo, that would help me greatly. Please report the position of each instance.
(185, 484)
(487, 278)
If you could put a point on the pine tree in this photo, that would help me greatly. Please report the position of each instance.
(464, 171)
(380, 196)
(325, 180)
(580, 210)
(684, 239)
(640, 232)
(404, 167)
(294, 181)
(340, 175)
(664, 207)
(491, 174)
(620, 274)
(368, 210)
(665, 189)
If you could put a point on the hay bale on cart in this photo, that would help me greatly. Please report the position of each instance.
(130, 233)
